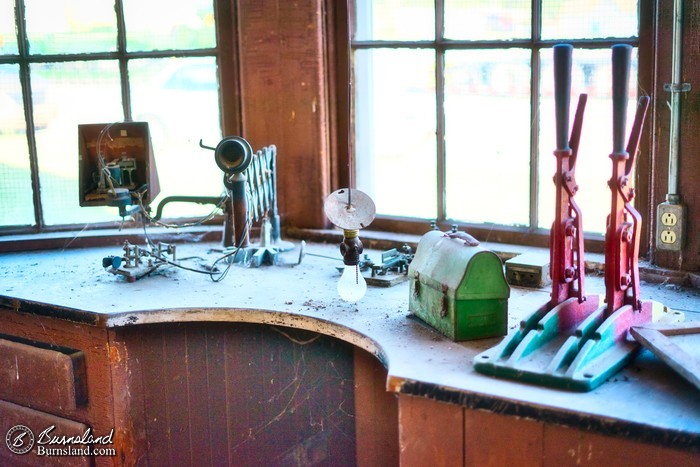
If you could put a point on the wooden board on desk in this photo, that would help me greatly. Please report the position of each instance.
(671, 344)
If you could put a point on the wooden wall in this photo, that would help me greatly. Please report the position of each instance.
(689, 161)
(284, 92)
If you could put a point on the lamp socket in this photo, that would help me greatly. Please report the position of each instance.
(670, 226)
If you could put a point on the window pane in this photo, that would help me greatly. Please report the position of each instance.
(179, 98)
(16, 204)
(78, 92)
(402, 20)
(487, 20)
(395, 130)
(71, 26)
(163, 25)
(8, 38)
(592, 74)
(487, 132)
(574, 19)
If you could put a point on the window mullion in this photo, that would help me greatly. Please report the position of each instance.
(440, 109)
(25, 82)
(123, 65)
(536, 34)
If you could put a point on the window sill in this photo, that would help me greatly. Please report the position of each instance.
(105, 237)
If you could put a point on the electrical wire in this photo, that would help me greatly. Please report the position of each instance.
(208, 217)
(100, 157)
(211, 273)
(149, 272)
(231, 253)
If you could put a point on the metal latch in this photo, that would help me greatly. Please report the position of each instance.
(678, 87)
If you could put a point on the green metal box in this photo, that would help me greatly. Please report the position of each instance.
(460, 290)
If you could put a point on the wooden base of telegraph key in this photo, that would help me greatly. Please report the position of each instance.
(528, 270)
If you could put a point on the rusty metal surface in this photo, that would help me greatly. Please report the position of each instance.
(354, 213)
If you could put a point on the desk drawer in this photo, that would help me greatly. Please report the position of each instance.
(42, 376)
(12, 415)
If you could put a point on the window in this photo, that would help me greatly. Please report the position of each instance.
(454, 110)
(100, 61)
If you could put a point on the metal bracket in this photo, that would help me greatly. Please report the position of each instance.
(678, 87)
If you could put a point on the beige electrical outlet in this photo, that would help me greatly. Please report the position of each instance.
(669, 219)
(670, 226)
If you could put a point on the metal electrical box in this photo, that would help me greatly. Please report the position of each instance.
(458, 289)
(112, 157)
(670, 226)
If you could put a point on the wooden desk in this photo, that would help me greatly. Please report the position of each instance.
(270, 366)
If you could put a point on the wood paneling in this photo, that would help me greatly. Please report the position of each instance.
(376, 414)
(430, 432)
(284, 99)
(240, 394)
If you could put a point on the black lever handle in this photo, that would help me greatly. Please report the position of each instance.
(621, 54)
(562, 92)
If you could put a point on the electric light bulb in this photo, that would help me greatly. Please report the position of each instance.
(352, 286)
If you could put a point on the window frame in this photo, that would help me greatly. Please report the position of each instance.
(345, 44)
(234, 33)
(229, 91)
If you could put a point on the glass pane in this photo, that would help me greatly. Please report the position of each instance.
(397, 20)
(16, 202)
(73, 93)
(592, 74)
(179, 98)
(487, 132)
(487, 19)
(395, 126)
(8, 38)
(71, 26)
(574, 19)
(167, 25)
